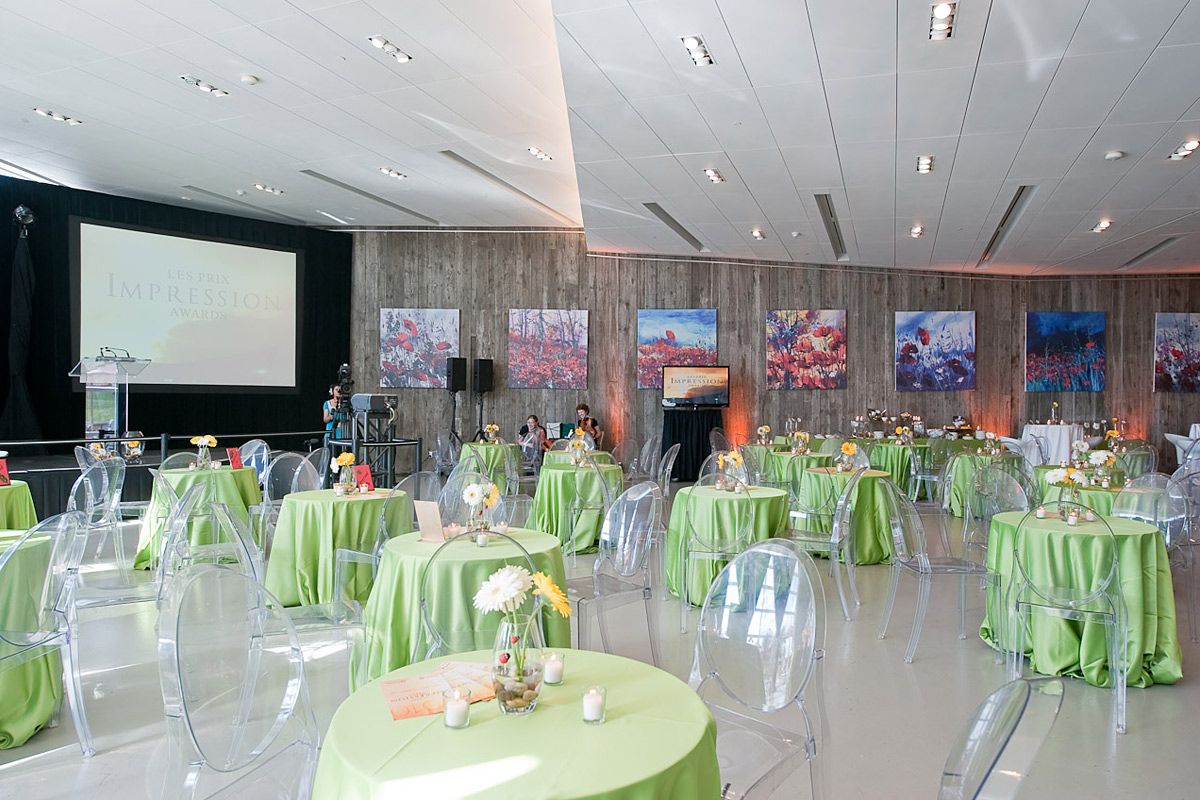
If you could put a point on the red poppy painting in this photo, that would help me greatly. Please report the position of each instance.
(1064, 351)
(806, 349)
(935, 351)
(676, 337)
(414, 344)
(547, 348)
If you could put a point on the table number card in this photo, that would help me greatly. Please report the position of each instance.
(4, 479)
(362, 474)
(235, 457)
(422, 695)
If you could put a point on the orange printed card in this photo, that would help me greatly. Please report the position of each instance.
(235, 457)
(362, 474)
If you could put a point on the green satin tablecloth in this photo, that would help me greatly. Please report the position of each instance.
(313, 526)
(236, 488)
(1060, 555)
(29, 692)
(762, 452)
(784, 466)
(563, 457)
(1050, 493)
(770, 519)
(894, 459)
(493, 458)
(553, 497)
(16, 507)
(964, 474)
(872, 531)
(392, 615)
(658, 743)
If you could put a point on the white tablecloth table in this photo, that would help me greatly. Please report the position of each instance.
(1058, 440)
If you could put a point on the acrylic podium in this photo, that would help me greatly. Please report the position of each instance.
(105, 380)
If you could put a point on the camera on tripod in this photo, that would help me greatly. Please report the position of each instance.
(345, 384)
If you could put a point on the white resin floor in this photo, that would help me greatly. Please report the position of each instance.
(891, 723)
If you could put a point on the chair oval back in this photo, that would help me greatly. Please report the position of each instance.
(666, 467)
(628, 528)
(1176, 514)
(591, 489)
(319, 458)
(762, 625)
(441, 640)
(175, 535)
(725, 462)
(182, 460)
(453, 505)
(718, 440)
(512, 469)
(85, 457)
(281, 475)
(997, 490)
(626, 453)
(1137, 461)
(307, 478)
(34, 601)
(861, 458)
(651, 454)
(909, 544)
(913, 458)
(518, 510)
(831, 446)
(560, 444)
(1062, 588)
(231, 667)
(257, 453)
(981, 751)
(722, 525)
(753, 463)
(843, 511)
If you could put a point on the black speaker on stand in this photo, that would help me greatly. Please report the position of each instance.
(482, 384)
(456, 381)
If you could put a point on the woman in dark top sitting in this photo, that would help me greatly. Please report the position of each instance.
(587, 422)
(533, 433)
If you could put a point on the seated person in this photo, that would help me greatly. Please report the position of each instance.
(587, 422)
(532, 433)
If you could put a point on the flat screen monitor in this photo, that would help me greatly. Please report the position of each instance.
(695, 386)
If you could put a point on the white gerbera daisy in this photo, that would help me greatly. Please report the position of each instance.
(1056, 476)
(473, 495)
(504, 590)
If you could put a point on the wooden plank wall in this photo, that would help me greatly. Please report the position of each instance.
(486, 273)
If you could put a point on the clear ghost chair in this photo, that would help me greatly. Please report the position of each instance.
(1140, 500)
(932, 466)
(239, 721)
(1055, 589)
(1176, 518)
(85, 457)
(910, 552)
(37, 612)
(666, 467)
(475, 630)
(560, 444)
(621, 572)
(755, 469)
(469, 461)
(516, 477)
(821, 521)
(832, 446)
(1001, 739)
(992, 491)
(625, 454)
(97, 493)
(231, 545)
(455, 510)
(319, 458)
(718, 441)
(531, 456)
(518, 510)
(650, 457)
(445, 452)
(723, 462)
(281, 476)
(179, 461)
(862, 456)
(758, 665)
(1035, 450)
(1137, 461)
(256, 453)
(590, 501)
(910, 478)
(711, 534)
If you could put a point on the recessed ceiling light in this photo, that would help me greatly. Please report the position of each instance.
(56, 116)
(1102, 226)
(268, 189)
(391, 173)
(924, 164)
(539, 154)
(697, 50)
(192, 80)
(941, 21)
(389, 48)
(757, 234)
(1184, 150)
(915, 231)
(713, 175)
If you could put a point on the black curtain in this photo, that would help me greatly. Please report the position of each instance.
(18, 420)
(57, 402)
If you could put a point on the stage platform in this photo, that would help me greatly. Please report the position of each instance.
(50, 479)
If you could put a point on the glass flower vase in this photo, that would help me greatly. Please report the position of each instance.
(517, 664)
(203, 459)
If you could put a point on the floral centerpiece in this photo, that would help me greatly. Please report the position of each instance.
(732, 469)
(1064, 478)
(991, 445)
(517, 654)
(1080, 448)
(491, 430)
(100, 451)
(480, 497)
(578, 449)
(800, 440)
(133, 449)
(1102, 461)
(904, 434)
(764, 434)
(343, 467)
(202, 443)
(845, 462)
(1053, 413)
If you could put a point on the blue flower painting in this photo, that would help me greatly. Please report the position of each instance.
(1064, 351)
(935, 351)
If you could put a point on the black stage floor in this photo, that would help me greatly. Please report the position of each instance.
(50, 479)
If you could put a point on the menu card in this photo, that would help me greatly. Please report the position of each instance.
(4, 479)
(421, 696)
(235, 457)
(362, 474)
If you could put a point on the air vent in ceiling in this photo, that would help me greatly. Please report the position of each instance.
(508, 187)
(1148, 254)
(361, 193)
(832, 228)
(674, 224)
(1015, 209)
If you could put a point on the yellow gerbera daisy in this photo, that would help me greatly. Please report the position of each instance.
(492, 497)
(849, 448)
(544, 585)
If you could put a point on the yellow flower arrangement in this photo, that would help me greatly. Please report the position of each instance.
(206, 440)
(1112, 434)
(731, 459)
(491, 428)
(544, 585)
(99, 448)
(579, 431)
(492, 496)
(346, 459)
(899, 430)
(849, 448)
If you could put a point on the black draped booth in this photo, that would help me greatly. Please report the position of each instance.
(689, 427)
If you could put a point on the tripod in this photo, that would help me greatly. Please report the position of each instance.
(479, 434)
(455, 439)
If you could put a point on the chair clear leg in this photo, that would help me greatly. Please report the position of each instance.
(891, 601)
(74, 685)
(648, 601)
(923, 586)
(837, 575)
(962, 606)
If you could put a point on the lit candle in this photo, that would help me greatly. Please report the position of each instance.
(1041, 512)
(553, 674)
(481, 538)
(593, 704)
(339, 489)
(1089, 515)
(1073, 518)
(457, 708)
(502, 526)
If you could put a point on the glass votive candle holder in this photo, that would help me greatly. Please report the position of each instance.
(552, 670)
(456, 708)
(481, 539)
(594, 700)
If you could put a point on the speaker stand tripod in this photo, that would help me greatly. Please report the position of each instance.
(479, 434)
(454, 437)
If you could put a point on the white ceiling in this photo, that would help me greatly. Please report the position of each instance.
(484, 82)
(823, 97)
(840, 98)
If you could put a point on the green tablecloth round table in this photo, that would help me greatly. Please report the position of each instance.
(872, 530)
(29, 692)
(564, 457)
(895, 459)
(493, 457)
(770, 519)
(1052, 551)
(392, 615)
(313, 526)
(659, 742)
(1050, 493)
(761, 452)
(236, 488)
(964, 474)
(785, 466)
(16, 507)
(556, 490)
